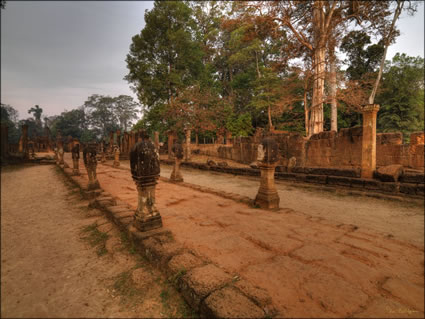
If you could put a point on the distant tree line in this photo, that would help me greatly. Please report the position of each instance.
(218, 66)
(90, 122)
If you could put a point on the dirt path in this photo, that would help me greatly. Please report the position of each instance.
(62, 259)
(309, 266)
(400, 220)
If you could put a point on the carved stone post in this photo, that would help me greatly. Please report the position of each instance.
(176, 175)
(111, 142)
(267, 196)
(60, 152)
(76, 159)
(103, 158)
(170, 144)
(90, 162)
(228, 138)
(369, 113)
(144, 162)
(187, 145)
(25, 140)
(156, 140)
(117, 156)
(4, 142)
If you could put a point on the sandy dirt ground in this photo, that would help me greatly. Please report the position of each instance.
(60, 258)
(311, 265)
(400, 220)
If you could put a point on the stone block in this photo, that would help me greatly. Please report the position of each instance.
(230, 303)
(200, 282)
(184, 262)
(339, 180)
(320, 179)
(357, 183)
(258, 295)
(117, 209)
(390, 187)
(389, 173)
(408, 188)
(413, 178)
(371, 184)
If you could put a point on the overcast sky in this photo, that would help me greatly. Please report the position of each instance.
(57, 53)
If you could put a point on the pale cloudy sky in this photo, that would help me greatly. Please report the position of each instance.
(57, 53)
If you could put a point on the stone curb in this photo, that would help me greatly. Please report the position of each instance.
(208, 289)
(345, 178)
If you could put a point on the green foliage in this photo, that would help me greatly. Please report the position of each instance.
(402, 95)
(164, 58)
(9, 117)
(240, 125)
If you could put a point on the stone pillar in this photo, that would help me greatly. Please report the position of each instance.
(25, 140)
(176, 175)
(119, 138)
(187, 151)
(111, 142)
(90, 162)
(76, 158)
(369, 113)
(228, 138)
(170, 144)
(156, 140)
(4, 142)
(117, 157)
(267, 196)
(144, 162)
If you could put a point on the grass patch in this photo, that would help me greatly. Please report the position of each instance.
(174, 279)
(125, 286)
(95, 238)
(127, 243)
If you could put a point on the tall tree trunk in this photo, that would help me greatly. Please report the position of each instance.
(306, 113)
(269, 113)
(316, 116)
(397, 12)
(332, 82)
(318, 90)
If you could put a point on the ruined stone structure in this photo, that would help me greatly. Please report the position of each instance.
(76, 159)
(117, 156)
(90, 162)
(330, 149)
(368, 165)
(176, 175)
(4, 143)
(268, 152)
(187, 151)
(171, 137)
(144, 162)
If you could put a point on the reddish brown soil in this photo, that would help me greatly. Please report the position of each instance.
(310, 266)
(48, 269)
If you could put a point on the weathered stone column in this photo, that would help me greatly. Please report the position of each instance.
(228, 138)
(187, 151)
(103, 150)
(369, 113)
(111, 142)
(90, 162)
(76, 159)
(25, 140)
(176, 175)
(117, 157)
(4, 142)
(170, 144)
(267, 196)
(60, 152)
(119, 138)
(156, 140)
(144, 162)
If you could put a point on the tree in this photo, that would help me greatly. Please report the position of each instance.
(311, 23)
(402, 95)
(125, 109)
(99, 110)
(9, 117)
(164, 58)
(70, 123)
(37, 111)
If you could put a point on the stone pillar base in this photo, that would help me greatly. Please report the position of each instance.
(176, 175)
(147, 222)
(267, 196)
(268, 200)
(93, 185)
(116, 164)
